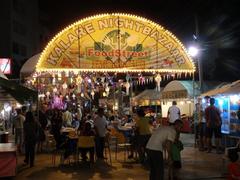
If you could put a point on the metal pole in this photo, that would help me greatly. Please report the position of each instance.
(198, 58)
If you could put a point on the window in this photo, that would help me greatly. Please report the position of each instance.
(18, 7)
(19, 49)
(19, 28)
(15, 48)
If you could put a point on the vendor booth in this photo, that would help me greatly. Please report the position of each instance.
(149, 97)
(228, 101)
(183, 92)
(108, 51)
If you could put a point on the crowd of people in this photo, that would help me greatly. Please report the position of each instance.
(148, 140)
(207, 120)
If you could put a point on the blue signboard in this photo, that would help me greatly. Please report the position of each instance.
(223, 105)
(234, 116)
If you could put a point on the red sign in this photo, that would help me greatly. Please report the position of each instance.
(5, 65)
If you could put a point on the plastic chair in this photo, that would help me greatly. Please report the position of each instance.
(86, 143)
(50, 142)
(107, 148)
(121, 143)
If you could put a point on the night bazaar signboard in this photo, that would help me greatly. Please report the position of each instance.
(115, 42)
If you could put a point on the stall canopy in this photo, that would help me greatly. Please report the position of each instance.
(180, 90)
(4, 95)
(20, 93)
(30, 65)
(224, 89)
(115, 43)
(147, 97)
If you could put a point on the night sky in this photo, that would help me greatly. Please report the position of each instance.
(218, 25)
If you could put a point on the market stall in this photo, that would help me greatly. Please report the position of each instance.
(104, 52)
(228, 101)
(183, 92)
(149, 97)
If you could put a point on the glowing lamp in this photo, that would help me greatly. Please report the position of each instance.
(220, 102)
(193, 51)
(234, 99)
(104, 94)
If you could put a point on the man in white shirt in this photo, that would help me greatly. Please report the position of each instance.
(173, 113)
(18, 126)
(163, 136)
(67, 118)
(100, 124)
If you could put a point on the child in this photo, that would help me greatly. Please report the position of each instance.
(234, 166)
(177, 147)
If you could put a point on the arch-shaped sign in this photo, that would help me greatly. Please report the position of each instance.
(115, 42)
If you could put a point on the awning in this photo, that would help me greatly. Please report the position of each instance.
(30, 65)
(231, 88)
(19, 92)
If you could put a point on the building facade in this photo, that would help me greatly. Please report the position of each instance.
(23, 31)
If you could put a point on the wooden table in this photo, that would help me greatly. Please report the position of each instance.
(8, 159)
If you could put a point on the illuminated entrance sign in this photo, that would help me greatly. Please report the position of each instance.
(115, 42)
(5, 65)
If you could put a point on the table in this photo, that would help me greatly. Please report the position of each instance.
(4, 137)
(8, 159)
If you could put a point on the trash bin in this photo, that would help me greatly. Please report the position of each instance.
(4, 137)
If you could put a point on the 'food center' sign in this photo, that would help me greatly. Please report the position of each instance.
(115, 41)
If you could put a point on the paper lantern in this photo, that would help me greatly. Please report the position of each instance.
(158, 80)
(64, 86)
(92, 94)
(127, 85)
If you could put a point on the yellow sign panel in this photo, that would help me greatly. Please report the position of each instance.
(115, 42)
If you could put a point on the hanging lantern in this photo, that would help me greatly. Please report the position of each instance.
(158, 80)
(104, 94)
(82, 94)
(48, 93)
(59, 76)
(102, 79)
(75, 73)
(73, 96)
(78, 88)
(127, 85)
(79, 79)
(54, 81)
(141, 80)
(92, 94)
(55, 90)
(127, 77)
(107, 89)
(64, 86)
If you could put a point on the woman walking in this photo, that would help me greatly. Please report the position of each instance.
(30, 128)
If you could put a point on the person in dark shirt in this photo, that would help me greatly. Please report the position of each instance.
(213, 121)
(30, 129)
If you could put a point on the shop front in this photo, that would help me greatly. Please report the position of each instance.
(228, 101)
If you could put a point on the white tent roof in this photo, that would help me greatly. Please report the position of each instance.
(30, 65)
(232, 88)
(148, 94)
(178, 86)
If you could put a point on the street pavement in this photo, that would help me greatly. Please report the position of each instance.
(195, 165)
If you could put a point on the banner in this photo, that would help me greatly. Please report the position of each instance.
(115, 41)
